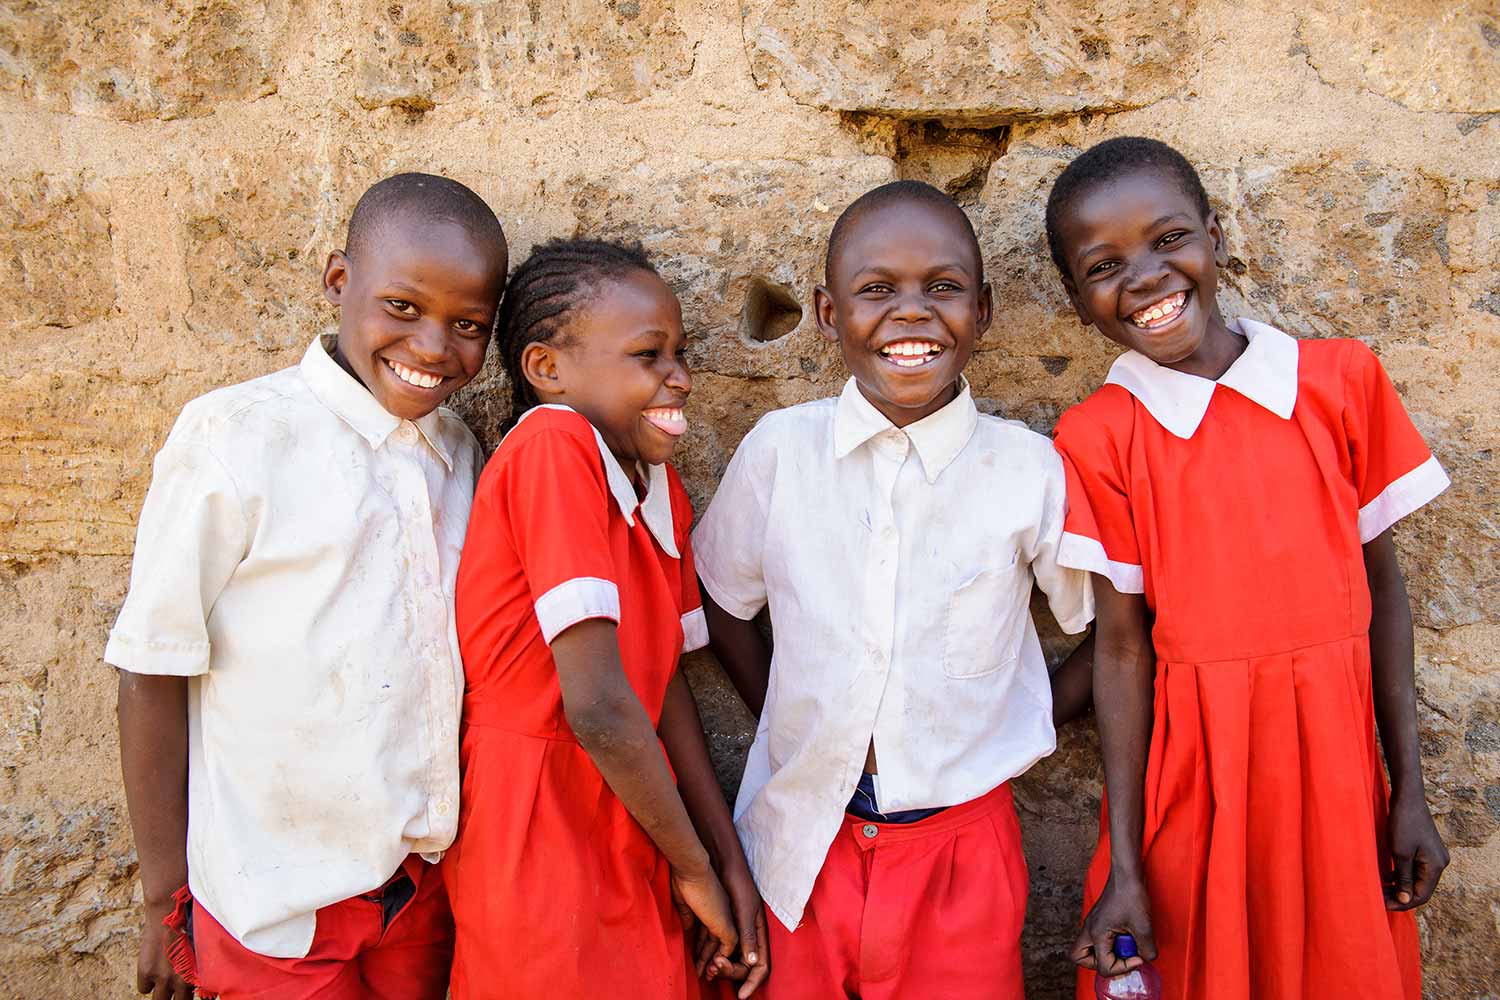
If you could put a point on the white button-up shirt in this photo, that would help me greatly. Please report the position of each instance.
(296, 558)
(898, 565)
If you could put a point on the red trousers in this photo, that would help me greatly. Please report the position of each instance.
(931, 909)
(359, 951)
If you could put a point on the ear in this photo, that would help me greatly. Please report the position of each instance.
(335, 275)
(539, 367)
(1076, 301)
(1216, 239)
(824, 313)
(986, 310)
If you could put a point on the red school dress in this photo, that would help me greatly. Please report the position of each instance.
(1239, 508)
(556, 890)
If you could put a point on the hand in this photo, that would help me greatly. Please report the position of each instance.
(1123, 908)
(701, 900)
(153, 969)
(1418, 855)
(754, 964)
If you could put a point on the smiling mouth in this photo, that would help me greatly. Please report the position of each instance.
(413, 377)
(667, 419)
(1161, 312)
(911, 353)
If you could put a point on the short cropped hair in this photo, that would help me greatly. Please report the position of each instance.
(891, 194)
(1106, 161)
(425, 197)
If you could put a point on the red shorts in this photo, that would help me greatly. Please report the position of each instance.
(925, 909)
(369, 946)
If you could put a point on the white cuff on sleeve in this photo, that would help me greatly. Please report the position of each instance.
(1413, 490)
(576, 600)
(180, 659)
(1083, 552)
(694, 630)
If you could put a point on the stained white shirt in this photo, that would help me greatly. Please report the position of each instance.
(898, 566)
(296, 558)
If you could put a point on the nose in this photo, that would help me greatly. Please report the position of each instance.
(679, 378)
(429, 342)
(1145, 274)
(912, 307)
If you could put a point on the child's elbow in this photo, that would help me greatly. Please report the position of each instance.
(599, 724)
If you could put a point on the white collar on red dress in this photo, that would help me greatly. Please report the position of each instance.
(656, 509)
(938, 437)
(1265, 374)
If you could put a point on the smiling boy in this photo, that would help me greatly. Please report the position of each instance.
(895, 533)
(289, 675)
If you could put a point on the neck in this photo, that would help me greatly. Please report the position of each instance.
(901, 416)
(1220, 348)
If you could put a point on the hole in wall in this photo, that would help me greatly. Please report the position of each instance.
(771, 311)
(954, 157)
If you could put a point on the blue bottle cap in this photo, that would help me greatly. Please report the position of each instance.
(1125, 946)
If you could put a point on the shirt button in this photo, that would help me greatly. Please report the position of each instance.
(870, 830)
(406, 432)
(444, 808)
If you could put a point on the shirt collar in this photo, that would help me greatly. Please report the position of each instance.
(1266, 373)
(656, 509)
(352, 403)
(937, 437)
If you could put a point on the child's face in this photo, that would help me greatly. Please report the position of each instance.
(416, 311)
(905, 301)
(619, 362)
(1143, 265)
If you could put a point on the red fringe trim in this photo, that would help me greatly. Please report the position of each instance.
(179, 948)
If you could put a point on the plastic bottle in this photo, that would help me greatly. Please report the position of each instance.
(1143, 983)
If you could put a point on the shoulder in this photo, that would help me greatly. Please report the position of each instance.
(993, 433)
(1333, 355)
(222, 417)
(555, 426)
(455, 433)
(793, 423)
(1107, 412)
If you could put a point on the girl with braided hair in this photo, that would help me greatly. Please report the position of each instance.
(592, 829)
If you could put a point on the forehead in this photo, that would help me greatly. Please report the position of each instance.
(404, 242)
(912, 231)
(1138, 197)
(627, 304)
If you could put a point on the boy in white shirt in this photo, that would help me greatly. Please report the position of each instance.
(289, 674)
(895, 533)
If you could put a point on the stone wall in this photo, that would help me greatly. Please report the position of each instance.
(173, 173)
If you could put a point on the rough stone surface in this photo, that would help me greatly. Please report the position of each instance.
(175, 173)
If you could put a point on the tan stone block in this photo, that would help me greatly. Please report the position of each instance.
(530, 54)
(135, 61)
(1427, 55)
(975, 60)
(55, 255)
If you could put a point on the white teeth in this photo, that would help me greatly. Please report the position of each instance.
(910, 353)
(422, 380)
(1155, 313)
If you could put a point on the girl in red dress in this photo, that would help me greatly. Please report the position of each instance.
(1233, 490)
(581, 851)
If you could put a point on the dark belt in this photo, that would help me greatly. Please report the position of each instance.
(864, 806)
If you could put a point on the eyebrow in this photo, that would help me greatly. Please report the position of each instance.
(879, 271)
(1086, 251)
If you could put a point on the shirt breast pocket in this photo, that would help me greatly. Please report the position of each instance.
(986, 622)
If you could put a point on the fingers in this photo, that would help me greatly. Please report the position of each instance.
(1427, 874)
(1083, 952)
(757, 956)
(1145, 940)
(704, 954)
(1400, 892)
(750, 922)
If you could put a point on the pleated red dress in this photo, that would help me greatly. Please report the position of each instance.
(1239, 509)
(557, 891)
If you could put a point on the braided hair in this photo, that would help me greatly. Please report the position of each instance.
(556, 280)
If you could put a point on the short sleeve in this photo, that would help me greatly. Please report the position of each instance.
(694, 625)
(730, 540)
(1394, 471)
(192, 536)
(1098, 530)
(551, 495)
(1069, 592)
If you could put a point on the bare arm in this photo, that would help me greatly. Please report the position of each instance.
(153, 758)
(681, 730)
(1417, 849)
(1073, 683)
(614, 730)
(742, 650)
(1124, 672)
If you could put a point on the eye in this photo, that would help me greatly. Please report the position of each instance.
(1103, 267)
(876, 287)
(946, 286)
(469, 326)
(402, 306)
(649, 354)
(1175, 236)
